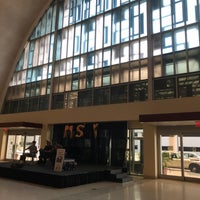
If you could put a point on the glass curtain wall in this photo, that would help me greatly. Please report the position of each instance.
(175, 47)
(80, 46)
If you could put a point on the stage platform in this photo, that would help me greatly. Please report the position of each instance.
(45, 175)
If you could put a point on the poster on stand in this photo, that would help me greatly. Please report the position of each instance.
(60, 156)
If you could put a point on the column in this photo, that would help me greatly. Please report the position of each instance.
(150, 151)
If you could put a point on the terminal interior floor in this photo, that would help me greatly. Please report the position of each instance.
(139, 189)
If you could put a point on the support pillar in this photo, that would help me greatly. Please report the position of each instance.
(3, 140)
(150, 151)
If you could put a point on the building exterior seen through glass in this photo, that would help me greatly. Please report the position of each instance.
(121, 50)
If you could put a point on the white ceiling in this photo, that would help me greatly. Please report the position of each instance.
(17, 20)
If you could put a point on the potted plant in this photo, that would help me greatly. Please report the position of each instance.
(165, 159)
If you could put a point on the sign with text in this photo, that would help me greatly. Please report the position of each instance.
(60, 156)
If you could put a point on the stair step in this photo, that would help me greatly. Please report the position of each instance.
(124, 180)
(121, 175)
(115, 171)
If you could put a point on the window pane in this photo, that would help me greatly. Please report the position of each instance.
(134, 50)
(64, 44)
(70, 42)
(144, 73)
(89, 79)
(124, 73)
(99, 31)
(167, 43)
(43, 87)
(143, 19)
(164, 88)
(192, 36)
(181, 66)
(69, 66)
(107, 30)
(75, 82)
(92, 7)
(124, 24)
(100, 6)
(138, 92)
(178, 14)
(91, 38)
(166, 19)
(77, 40)
(194, 60)
(55, 85)
(156, 44)
(82, 80)
(104, 93)
(156, 21)
(108, 4)
(115, 55)
(143, 48)
(51, 49)
(134, 21)
(168, 64)
(35, 53)
(119, 94)
(106, 57)
(85, 98)
(98, 78)
(98, 59)
(83, 64)
(106, 76)
(124, 51)
(73, 99)
(68, 83)
(179, 37)
(46, 49)
(62, 84)
(59, 43)
(192, 11)
(58, 101)
(76, 65)
(134, 71)
(90, 61)
(66, 13)
(115, 75)
(84, 37)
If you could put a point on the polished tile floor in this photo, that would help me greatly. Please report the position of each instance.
(139, 189)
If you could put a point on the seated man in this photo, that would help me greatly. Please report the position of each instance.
(32, 151)
(46, 152)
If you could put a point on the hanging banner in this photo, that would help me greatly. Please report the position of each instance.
(60, 156)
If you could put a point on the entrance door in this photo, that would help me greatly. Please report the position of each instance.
(191, 156)
(134, 153)
(180, 155)
(17, 143)
(171, 163)
(15, 147)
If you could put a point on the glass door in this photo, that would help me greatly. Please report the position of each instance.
(17, 143)
(10, 153)
(171, 163)
(191, 156)
(134, 152)
(180, 155)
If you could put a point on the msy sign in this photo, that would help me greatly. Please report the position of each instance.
(77, 131)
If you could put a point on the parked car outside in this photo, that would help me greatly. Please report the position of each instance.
(191, 161)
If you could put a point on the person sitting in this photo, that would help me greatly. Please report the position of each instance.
(32, 151)
(46, 152)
